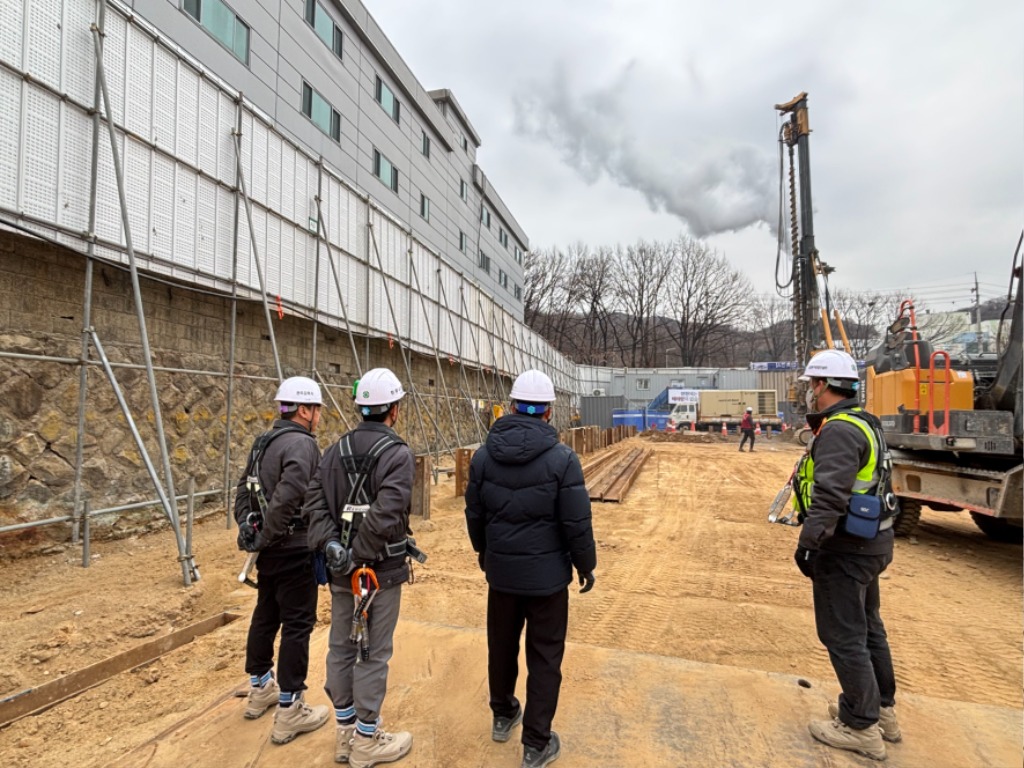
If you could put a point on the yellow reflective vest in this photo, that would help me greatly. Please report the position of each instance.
(867, 477)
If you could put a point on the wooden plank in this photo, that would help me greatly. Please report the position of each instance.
(33, 700)
(607, 478)
(628, 477)
(462, 458)
(421, 488)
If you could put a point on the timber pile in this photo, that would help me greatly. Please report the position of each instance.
(610, 477)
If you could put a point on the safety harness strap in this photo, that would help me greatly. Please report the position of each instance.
(252, 470)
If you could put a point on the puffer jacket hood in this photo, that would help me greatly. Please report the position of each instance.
(517, 439)
(528, 509)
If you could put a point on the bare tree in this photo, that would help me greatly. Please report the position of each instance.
(772, 319)
(706, 298)
(638, 280)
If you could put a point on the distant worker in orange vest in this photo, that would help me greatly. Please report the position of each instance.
(747, 428)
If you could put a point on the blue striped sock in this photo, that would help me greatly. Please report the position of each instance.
(260, 681)
(346, 715)
(366, 729)
(287, 698)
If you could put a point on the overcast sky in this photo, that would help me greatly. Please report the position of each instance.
(608, 121)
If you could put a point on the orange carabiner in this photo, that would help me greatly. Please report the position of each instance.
(371, 577)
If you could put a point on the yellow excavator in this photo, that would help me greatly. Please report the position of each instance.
(953, 424)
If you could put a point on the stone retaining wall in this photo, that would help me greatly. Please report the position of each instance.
(41, 307)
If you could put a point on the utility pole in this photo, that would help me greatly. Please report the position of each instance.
(977, 315)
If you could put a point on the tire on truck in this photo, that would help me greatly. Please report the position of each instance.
(907, 519)
(998, 528)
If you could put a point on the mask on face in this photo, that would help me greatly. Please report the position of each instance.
(810, 398)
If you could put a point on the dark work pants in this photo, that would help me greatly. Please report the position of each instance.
(748, 434)
(846, 611)
(546, 619)
(286, 600)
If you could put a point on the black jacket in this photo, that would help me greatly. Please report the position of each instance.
(287, 465)
(839, 451)
(388, 519)
(527, 508)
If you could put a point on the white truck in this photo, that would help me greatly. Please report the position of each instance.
(706, 408)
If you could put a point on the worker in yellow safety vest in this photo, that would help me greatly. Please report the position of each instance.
(842, 493)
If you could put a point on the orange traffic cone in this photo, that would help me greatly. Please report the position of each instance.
(670, 427)
(757, 430)
(725, 431)
(693, 426)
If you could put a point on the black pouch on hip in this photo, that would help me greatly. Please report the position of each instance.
(863, 516)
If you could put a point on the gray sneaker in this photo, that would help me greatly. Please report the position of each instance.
(838, 734)
(501, 727)
(299, 718)
(886, 721)
(343, 743)
(538, 758)
(261, 699)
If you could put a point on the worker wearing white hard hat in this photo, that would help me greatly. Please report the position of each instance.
(842, 492)
(359, 503)
(528, 517)
(268, 509)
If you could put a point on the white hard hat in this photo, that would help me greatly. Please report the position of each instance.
(299, 390)
(749, 409)
(831, 364)
(377, 390)
(533, 387)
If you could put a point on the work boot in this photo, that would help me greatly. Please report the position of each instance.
(886, 721)
(261, 699)
(343, 743)
(289, 722)
(538, 758)
(838, 734)
(501, 727)
(382, 747)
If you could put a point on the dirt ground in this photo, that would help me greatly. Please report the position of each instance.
(689, 570)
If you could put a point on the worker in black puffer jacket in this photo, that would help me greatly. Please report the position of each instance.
(528, 515)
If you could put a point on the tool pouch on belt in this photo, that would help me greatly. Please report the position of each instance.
(863, 515)
(351, 518)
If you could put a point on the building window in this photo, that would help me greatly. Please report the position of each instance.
(518, 292)
(463, 189)
(323, 115)
(503, 237)
(425, 207)
(386, 98)
(425, 146)
(324, 26)
(519, 255)
(502, 279)
(220, 21)
(484, 262)
(462, 241)
(464, 142)
(643, 384)
(385, 171)
(485, 216)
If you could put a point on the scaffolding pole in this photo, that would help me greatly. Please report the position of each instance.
(228, 517)
(433, 343)
(405, 360)
(480, 428)
(188, 569)
(321, 231)
(255, 250)
(476, 346)
(83, 371)
(499, 384)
